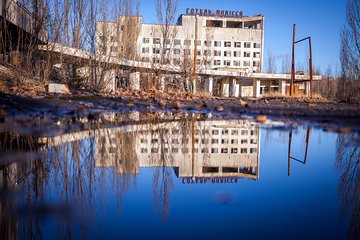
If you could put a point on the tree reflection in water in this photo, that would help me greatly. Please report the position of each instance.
(348, 165)
(71, 176)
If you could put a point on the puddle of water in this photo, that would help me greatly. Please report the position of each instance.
(184, 176)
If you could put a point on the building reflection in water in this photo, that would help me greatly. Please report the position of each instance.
(77, 168)
(194, 149)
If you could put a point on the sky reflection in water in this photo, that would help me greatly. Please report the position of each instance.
(181, 178)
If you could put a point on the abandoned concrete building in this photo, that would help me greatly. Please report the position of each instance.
(227, 47)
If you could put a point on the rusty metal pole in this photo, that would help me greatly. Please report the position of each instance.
(289, 151)
(195, 52)
(307, 144)
(293, 62)
(192, 146)
(311, 68)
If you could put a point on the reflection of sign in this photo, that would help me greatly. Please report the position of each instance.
(208, 12)
(215, 180)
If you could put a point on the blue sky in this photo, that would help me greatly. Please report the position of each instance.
(320, 19)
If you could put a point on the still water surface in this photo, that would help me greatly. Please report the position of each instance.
(180, 178)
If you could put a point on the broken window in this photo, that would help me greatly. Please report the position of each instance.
(214, 23)
(246, 54)
(227, 44)
(217, 43)
(234, 24)
(237, 44)
(227, 63)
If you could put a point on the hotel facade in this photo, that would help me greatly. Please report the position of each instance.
(221, 40)
(227, 47)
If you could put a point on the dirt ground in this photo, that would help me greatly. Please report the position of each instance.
(299, 111)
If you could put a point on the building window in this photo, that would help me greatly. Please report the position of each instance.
(146, 40)
(198, 61)
(224, 141)
(113, 39)
(217, 43)
(253, 150)
(144, 150)
(156, 40)
(205, 150)
(187, 51)
(256, 64)
(184, 150)
(234, 132)
(167, 41)
(234, 150)
(257, 45)
(217, 62)
(176, 51)
(143, 140)
(244, 141)
(227, 53)
(246, 63)
(253, 141)
(207, 53)
(156, 50)
(214, 141)
(244, 132)
(174, 150)
(253, 132)
(217, 53)
(237, 44)
(215, 132)
(176, 61)
(247, 45)
(224, 150)
(243, 150)
(198, 42)
(187, 42)
(224, 132)
(199, 52)
(227, 44)
(114, 49)
(145, 50)
(154, 150)
(246, 54)
(205, 141)
(226, 62)
(256, 54)
(207, 43)
(234, 141)
(236, 63)
(237, 54)
(177, 42)
(214, 150)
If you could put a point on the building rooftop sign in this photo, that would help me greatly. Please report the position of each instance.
(208, 12)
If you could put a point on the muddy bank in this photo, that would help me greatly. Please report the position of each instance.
(49, 109)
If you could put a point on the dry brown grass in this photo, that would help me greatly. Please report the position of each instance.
(316, 97)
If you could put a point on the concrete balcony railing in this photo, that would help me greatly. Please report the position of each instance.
(21, 17)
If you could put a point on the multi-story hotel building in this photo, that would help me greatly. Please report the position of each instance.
(225, 39)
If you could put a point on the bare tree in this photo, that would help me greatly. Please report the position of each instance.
(270, 62)
(165, 13)
(349, 88)
(285, 64)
